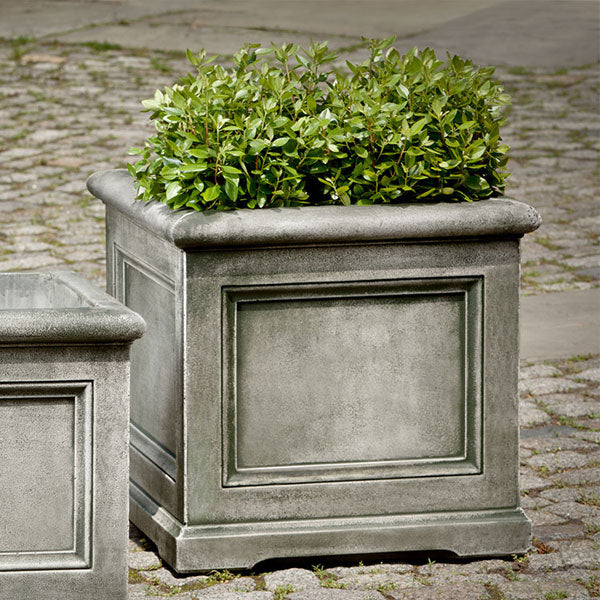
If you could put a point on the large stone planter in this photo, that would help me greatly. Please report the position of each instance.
(64, 390)
(323, 380)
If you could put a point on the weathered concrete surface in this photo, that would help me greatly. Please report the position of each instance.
(61, 308)
(537, 33)
(373, 469)
(348, 19)
(495, 217)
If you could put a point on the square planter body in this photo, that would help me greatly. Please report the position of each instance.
(323, 380)
(64, 391)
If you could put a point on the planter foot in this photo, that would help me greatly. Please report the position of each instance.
(189, 548)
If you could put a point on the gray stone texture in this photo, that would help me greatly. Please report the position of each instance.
(539, 371)
(588, 375)
(234, 589)
(557, 444)
(143, 560)
(168, 578)
(560, 461)
(579, 476)
(299, 579)
(530, 414)
(542, 385)
(216, 594)
(456, 591)
(542, 587)
(542, 517)
(578, 511)
(314, 224)
(571, 406)
(569, 493)
(333, 594)
(374, 579)
(349, 572)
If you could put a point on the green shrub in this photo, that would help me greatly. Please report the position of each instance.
(280, 129)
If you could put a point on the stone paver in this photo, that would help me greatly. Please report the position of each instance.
(333, 594)
(299, 579)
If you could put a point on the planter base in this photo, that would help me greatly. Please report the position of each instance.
(241, 546)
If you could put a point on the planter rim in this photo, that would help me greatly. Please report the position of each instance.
(187, 228)
(96, 318)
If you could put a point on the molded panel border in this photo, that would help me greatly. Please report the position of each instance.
(79, 556)
(469, 289)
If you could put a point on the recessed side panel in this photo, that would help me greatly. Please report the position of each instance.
(155, 376)
(382, 370)
(155, 366)
(45, 475)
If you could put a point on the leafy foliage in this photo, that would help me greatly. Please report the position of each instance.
(280, 129)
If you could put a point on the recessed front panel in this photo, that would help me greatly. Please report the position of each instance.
(45, 475)
(38, 459)
(381, 369)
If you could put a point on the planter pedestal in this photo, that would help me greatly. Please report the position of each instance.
(64, 390)
(323, 380)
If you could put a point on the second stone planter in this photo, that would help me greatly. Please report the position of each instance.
(64, 411)
(323, 380)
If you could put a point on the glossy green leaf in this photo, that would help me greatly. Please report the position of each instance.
(231, 188)
(211, 193)
(172, 190)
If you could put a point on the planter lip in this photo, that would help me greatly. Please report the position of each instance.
(496, 217)
(92, 316)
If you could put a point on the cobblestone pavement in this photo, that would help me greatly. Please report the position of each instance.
(560, 481)
(554, 132)
(69, 110)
